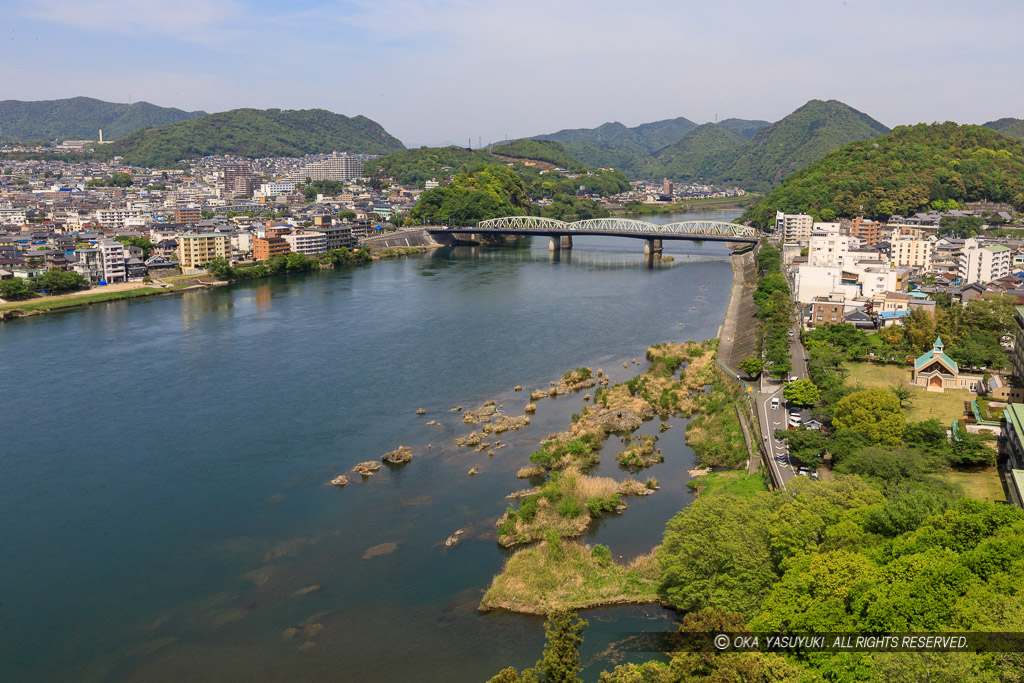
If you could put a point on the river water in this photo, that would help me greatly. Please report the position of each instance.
(165, 514)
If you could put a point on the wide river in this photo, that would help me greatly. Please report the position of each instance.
(164, 508)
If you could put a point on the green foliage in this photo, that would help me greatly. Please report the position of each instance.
(253, 133)
(287, 263)
(416, 166)
(538, 150)
(875, 413)
(560, 662)
(59, 282)
(143, 243)
(570, 507)
(802, 393)
(117, 179)
(751, 366)
(324, 187)
(961, 226)
(491, 192)
(16, 289)
(902, 172)
(80, 118)
(707, 151)
(602, 554)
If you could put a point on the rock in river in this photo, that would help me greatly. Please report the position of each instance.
(340, 480)
(402, 454)
(368, 468)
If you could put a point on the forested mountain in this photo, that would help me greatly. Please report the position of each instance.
(82, 118)
(416, 166)
(706, 152)
(254, 133)
(793, 143)
(744, 127)
(1011, 127)
(903, 172)
(753, 154)
(615, 145)
(538, 150)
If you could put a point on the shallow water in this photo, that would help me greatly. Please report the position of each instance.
(165, 508)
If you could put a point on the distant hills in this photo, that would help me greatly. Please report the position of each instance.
(254, 133)
(1011, 127)
(754, 154)
(81, 118)
(911, 169)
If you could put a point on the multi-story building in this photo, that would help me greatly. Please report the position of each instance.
(112, 256)
(195, 250)
(335, 167)
(234, 172)
(828, 249)
(89, 264)
(869, 231)
(116, 218)
(275, 189)
(793, 227)
(983, 264)
(910, 248)
(265, 247)
(308, 242)
(826, 310)
(1013, 430)
(1018, 346)
(338, 236)
(189, 215)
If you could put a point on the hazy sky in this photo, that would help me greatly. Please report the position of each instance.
(448, 70)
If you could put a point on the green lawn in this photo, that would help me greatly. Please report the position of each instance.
(923, 404)
(984, 485)
(737, 483)
(50, 303)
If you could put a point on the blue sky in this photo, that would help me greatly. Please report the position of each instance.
(442, 70)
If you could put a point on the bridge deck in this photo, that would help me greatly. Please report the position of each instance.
(547, 232)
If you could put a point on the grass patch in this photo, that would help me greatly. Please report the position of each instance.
(736, 483)
(923, 405)
(716, 435)
(557, 575)
(984, 485)
(55, 303)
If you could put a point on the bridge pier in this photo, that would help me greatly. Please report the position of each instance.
(652, 248)
(555, 243)
(566, 241)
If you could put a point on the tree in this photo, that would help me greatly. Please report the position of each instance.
(751, 366)
(901, 391)
(802, 392)
(970, 450)
(59, 281)
(16, 289)
(561, 660)
(143, 243)
(875, 413)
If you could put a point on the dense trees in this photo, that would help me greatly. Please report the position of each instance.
(875, 413)
(802, 393)
(775, 311)
(490, 192)
(16, 289)
(901, 173)
(143, 243)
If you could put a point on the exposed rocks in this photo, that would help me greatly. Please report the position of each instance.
(641, 453)
(481, 414)
(527, 472)
(631, 487)
(664, 427)
(454, 538)
(620, 419)
(474, 470)
(399, 456)
(536, 395)
(472, 440)
(700, 472)
(456, 409)
(432, 423)
(624, 364)
(587, 397)
(504, 423)
(530, 408)
(339, 480)
(380, 549)
(420, 411)
(306, 591)
(490, 453)
(482, 447)
(523, 493)
(368, 468)
(518, 387)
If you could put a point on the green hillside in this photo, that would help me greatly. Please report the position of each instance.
(614, 145)
(254, 133)
(1011, 127)
(81, 118)
(798, 140)
(744, 127)
(416, 166)
(538, 150)
(903, 172)
(705, 152)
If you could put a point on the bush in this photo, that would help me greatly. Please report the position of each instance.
(17, 289)
(570, 507)
(554, 542)
(577, 447)
(602, 554)
(528, 508)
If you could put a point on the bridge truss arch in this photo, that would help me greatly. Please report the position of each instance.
(524, 223)
(621, 226)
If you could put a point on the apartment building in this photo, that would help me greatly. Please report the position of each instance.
(828, 249)
(310, 243)
(911, 248)
(195, 250)
(188, 215)
(112, 258)
(827, 310)
(869, 231)
(116, 218)
(793, 227)
(983, 264)
(335, 167)
(271, 245)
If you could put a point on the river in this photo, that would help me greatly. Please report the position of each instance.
(165, 513)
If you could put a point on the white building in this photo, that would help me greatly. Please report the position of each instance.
(911, 248)
(115, 218)
(276, 188)
(112, 258)
(983, 264)
(335, 167)
(310, 243)
(793, 226)
(828, 249)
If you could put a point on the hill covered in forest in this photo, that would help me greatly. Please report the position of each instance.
(81, 118)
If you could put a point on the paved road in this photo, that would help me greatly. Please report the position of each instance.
(777, 419)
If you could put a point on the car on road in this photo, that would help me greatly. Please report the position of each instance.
(791, 333)
(794, 378)
(775, 403)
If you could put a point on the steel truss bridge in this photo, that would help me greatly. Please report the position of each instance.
(620, 227)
